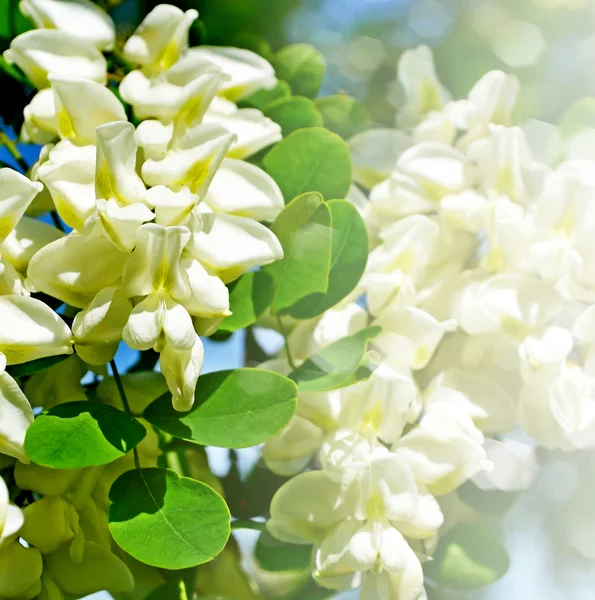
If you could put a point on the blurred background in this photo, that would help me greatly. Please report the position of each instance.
(550, 45)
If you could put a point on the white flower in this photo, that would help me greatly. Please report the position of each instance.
(560, 412)
(182, 92)
(483, 399)
(11, 517)
(374, 154)
(228, 246)
(423, 91)
(69, 176)
(75, 269)
(251, 129)
(181, 368)
(382, 405)
(514, 304)
(191, 161)
(410, 336)
(48, 52)
(506, 165)
(161, 38)
(40, 119)
(445, 450)
(81, 18)
(242, 189)
(115, 175)
(246, 71)
(82, 106)
(17, 415)
(16, 194)
(97, 329)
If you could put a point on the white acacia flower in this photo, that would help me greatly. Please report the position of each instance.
(97, 329)
(81, 18)
(16, 194)
(242, 189)
(559, 411)
(505, 164)
(424, 92)
(82, 106)
(161, 38)
(41, 53)
(251, 129)
(191, 161)
(69, 176)
(182, 93)
(516, 305)
(445, 450)
(11, 517)
(40, 119)
(383, 405)
(246, 71)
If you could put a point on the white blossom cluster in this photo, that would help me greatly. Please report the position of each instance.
(481, 275)
(164, 214)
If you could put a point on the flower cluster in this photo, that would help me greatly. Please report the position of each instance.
(148, 256)
(479, 275)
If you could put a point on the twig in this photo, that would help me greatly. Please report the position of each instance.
(14, 151)
(125, 403)
(286, 342)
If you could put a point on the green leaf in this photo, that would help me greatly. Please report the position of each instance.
(35, 366)
(344, 115)
(13, 72)
(81, 434)
(337, 365)
(249, 297)
(302, 66)
(303, 228)
(348, 260)
(264, 98)
(275, 556)
(310, 160)
(468, 557)
(167, 521)
(487, 502)
(232, 409)
(294, 113)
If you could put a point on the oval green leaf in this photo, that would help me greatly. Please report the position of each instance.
(343, 115)
(249, 297)
(310, 160)
(302, 66)
(468, 557)
(337, 365)
(35, 366)
(278, 557)
(262, 99)
(304, 229)
(232, 409)
(349, 256)
(294, 113)
(81, 434)
(167, 521)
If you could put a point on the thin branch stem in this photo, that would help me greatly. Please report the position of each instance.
(122, 393)
(286, 342)
(14, 151)
(182, 590)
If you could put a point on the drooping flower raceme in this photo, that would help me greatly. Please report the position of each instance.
(161, 246)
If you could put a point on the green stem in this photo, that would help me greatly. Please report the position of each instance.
(286, 342)
(14, 151)
(122, 393)
(183, 594)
